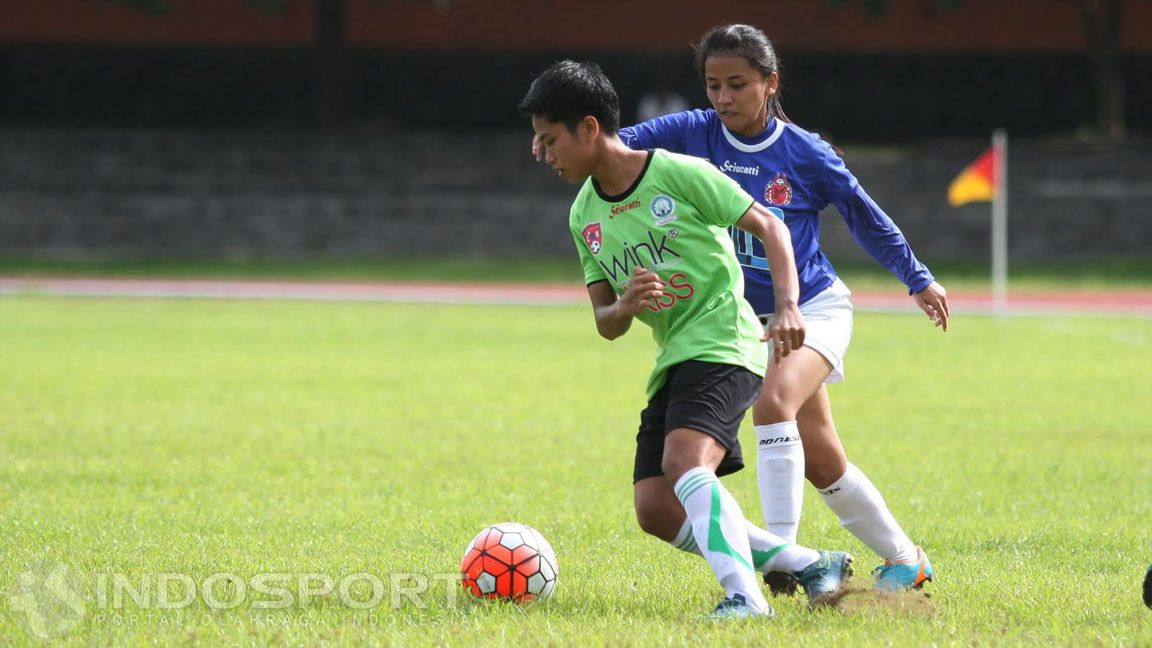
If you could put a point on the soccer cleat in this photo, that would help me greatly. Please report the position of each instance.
(825, 576)
(736, 607)
(1148, 587)
(781, 583)
(894, 577)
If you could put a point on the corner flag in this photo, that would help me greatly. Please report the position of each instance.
(983, 180)
(976, 182)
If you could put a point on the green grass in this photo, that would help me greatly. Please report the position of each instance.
(202, 437)
(861, 275)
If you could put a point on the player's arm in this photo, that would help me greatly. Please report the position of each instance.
(614, 314)
(880, 237)
(667, 132)
(787, 327)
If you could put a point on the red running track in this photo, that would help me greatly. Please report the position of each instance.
(1136, 302)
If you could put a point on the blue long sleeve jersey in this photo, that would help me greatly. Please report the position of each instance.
(794, 174)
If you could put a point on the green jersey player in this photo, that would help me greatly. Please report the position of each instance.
(651, 229)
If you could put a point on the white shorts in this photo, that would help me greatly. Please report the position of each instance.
(827, 326)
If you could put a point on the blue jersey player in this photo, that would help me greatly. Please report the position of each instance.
(795, 174)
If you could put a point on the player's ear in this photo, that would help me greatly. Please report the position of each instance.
(773, 82)
(590, 127)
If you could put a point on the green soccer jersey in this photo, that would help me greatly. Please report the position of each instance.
(674, 221)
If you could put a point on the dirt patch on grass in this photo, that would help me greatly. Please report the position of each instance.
(861, 600)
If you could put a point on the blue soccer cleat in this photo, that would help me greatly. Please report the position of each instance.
(825, 577)
(737, 607)
(895, 577)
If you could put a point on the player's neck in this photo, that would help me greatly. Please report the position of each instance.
(618, 166)
(756, 127)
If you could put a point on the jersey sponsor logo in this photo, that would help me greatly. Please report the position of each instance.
(779, 190)
(650, 254)
(620, 209)
(663, 209)
(678, 289)
(729, 167)
(593, 237)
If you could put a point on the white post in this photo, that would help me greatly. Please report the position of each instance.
(1000, 221)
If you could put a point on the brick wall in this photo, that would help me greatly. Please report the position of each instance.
(193, 193)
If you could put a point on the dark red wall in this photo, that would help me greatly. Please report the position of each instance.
(812, 25)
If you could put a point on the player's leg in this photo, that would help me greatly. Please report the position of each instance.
(855, 500)
(705, 407)
(824, 457)
(706, 404)
(794, 401)
(659, 511)
(788, 386)
(780, 449)
(690, 461)
(661, 514)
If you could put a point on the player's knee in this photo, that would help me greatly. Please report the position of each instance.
(675, 465)
(774, 406)
(659, 522)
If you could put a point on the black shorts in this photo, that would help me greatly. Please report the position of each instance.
(704, 396)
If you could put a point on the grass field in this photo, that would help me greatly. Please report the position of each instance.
(364, 442)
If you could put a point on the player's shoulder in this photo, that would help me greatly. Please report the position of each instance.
(680, 170)
(580, 208)
(695, 118)
(803, 142)
(669, 160)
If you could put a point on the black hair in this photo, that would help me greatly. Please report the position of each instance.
(752, 44)
(568, 92)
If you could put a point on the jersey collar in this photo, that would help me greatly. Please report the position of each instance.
(627, 192)
(774, 129)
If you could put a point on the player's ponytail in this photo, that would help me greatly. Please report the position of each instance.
(754, 46)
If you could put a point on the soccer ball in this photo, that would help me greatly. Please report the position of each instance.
(509, 561)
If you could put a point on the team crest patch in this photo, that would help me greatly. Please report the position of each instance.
(663, 209)
(593, 237)
(778, 191)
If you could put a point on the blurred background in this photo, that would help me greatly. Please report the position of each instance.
(241, 130)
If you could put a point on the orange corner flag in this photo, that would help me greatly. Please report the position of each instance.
(975, 182)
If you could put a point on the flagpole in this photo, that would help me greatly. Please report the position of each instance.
(1000, 221)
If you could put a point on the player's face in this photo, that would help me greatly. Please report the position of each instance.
(738, 92)
(570, 155)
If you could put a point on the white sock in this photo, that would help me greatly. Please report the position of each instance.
(780, 474)
(862, 511)
(718, 529)
(685, 541)
(770, 552)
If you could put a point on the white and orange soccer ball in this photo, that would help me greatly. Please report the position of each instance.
(509, 561)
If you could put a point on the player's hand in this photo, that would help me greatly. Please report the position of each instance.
(786, 332)
(538, 148)
(644, 288)
(933, 300)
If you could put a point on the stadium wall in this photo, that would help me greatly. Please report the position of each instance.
(872, 97)
(162, 193)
